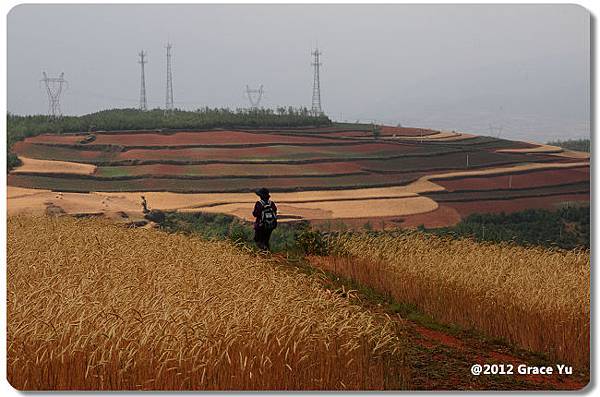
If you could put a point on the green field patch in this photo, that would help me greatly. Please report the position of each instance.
(220, 170)
(76, 183)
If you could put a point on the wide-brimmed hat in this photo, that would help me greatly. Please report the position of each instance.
(263, 192)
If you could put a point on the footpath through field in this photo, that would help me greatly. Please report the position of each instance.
(440, 356)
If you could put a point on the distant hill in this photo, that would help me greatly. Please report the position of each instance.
(581, 145)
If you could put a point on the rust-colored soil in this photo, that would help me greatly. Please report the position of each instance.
(520, 204)
(518, 180)
(443, 216)
(508, 169)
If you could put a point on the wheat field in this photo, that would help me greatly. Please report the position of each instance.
(95, 306)
(536, 298)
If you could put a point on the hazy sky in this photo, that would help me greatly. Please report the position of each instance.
(519, 70)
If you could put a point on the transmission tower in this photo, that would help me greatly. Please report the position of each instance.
(142, 62)
(316, 96)
(258, 94)
(496, 131)
(54, 87)
(169, 100)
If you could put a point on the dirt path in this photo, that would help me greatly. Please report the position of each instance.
(442, 359)
(440, 356)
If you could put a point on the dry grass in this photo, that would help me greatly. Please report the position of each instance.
(97, 306)
(534, 297)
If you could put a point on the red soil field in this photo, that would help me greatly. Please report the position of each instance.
(268, 152)
(205, 138)
(521, 180)
(515, 205)
(443, 216)
(350, 134)
(181, 138)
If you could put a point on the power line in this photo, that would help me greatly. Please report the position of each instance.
(54, 87)
(142, 62)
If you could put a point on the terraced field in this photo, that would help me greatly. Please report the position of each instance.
(213, 162)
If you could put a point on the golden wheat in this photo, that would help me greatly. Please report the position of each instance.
(101, 307)
(534, 297)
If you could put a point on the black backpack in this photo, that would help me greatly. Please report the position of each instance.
(268, 217)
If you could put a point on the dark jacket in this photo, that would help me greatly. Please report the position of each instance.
(257, 212)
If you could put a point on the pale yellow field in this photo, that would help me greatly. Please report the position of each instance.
(440, 136)
(317, 210)
(572, 154)
(540, 148)
(51, 166)
(17, 192)
(33, 201)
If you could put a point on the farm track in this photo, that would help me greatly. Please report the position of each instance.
(440, 355)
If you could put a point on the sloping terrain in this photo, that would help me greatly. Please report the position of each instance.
(237, 162)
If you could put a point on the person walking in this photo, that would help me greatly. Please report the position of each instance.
(265, 212)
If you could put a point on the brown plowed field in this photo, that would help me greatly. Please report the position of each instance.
(509, 194)
(515, 205)
(205, 137)
(443, 216)
(518, 180)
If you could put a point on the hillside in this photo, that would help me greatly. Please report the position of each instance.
(390, 176)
